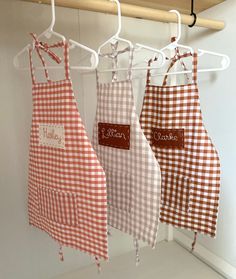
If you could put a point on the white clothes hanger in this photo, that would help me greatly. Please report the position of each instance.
(116, 37)
(161, 53)
(170, 46)
(93, 59)
(225, 60)
(48, 33)
(175, 43)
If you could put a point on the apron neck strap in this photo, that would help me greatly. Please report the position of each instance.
(114, 60)
(131, 58)
(114, 56)
(44, 47)
(194, 67)
(148, 80)
(179, 57)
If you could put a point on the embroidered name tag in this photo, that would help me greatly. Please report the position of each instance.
(52, 135)
(114, 135)
(168, 138)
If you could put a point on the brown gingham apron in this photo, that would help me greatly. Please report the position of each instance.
(171, 119)
(67, 185)
(132, 172)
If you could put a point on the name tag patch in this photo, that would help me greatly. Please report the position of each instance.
(114, 135)
(52, 135)
(168, 138)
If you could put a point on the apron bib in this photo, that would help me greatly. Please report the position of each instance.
(171, 119)
(67, 188)
(132, 172)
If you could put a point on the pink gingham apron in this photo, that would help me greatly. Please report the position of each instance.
(171, 119)
(67, 186)
(133, 174)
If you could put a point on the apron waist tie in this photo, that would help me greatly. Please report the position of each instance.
(109, 231)
(194, 242)
(98, 264)
(136, 246)
(61, 253)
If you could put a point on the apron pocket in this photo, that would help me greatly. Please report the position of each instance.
(176, 191)
(58, 206)
(119, 187)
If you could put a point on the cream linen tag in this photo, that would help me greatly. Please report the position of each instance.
(52, 135)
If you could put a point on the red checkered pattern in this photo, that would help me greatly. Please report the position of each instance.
(67, 186)
(190, 176)
(133, 176)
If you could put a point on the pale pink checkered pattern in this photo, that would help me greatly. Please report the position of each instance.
(67, 187)
(190, 176)
(133, 176)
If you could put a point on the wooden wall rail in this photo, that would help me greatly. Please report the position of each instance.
(105, 6)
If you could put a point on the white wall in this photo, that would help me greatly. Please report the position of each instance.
(218, 102)
(27, 253)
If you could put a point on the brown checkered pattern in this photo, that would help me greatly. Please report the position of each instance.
(133, 176)
(67, 186)
(190, 176)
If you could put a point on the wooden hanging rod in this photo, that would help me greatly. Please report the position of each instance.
(105, 6)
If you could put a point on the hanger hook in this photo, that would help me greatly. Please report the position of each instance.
(193, 14)
(119, 17)
(178, 25)
(53, 15)
(51, 26)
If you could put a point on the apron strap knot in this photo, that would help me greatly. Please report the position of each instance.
(41, 46)
(46, 48)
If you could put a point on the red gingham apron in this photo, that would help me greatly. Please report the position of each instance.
(133, 174)
(171, 119)
(67, 187)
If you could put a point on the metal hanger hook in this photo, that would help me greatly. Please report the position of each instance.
(193, 14)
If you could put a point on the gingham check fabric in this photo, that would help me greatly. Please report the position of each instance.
(190, 176)
(133, 176)
(67, 186)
